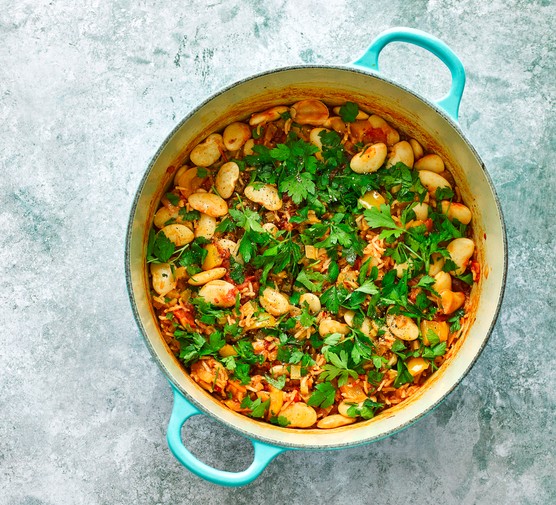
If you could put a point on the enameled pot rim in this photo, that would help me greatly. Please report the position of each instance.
(348, 69)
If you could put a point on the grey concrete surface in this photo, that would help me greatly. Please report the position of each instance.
(88, 90)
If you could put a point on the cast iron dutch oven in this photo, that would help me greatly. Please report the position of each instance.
(435, 126)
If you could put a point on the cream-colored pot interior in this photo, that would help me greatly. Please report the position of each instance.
(403, 110)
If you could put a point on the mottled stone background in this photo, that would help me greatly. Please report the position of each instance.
(88, 90)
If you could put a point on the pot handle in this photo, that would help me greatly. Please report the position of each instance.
(450, 103)
(181, 412)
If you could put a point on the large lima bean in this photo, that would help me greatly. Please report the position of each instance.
(219, 293)
(299, 415)
(207, 275)
(309, 112)
(209, 203)
(369, 160)
(207, 152)
(402, 327)
(206, 226)
(226, 179)
(335, 421)
(401, 152)
(163, 280)
(235, 135)
(264, 194)
(461, 250)
(179, 234)
(274, 302)
(432, 181)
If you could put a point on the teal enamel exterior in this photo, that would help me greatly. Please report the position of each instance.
(450, 103)
(183, 409)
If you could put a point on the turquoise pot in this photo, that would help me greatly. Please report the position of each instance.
(435, 126)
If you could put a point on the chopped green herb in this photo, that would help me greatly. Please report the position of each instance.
(163, 247)
(383, 219)
(375, 377)
(298, 186)
(236, 271)
(435, 351)
(191, 215)
(403, 376)
(444, 193)
(349, 111)
(323, 396)
(278, 383)
(366, 410)
(310, 279)
(257, 407)
(173, 199)
(280, 421)
(455, 320)
(338, 367)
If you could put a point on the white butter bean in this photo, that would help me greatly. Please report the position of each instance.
(206, 226)
(437, 264)
(163, 215)
(432, 181)
(162, 278)
(417, 149)
(309, 112)
(366, 325)
(315, 139)
(187, 180)
(392, 136)
(442, 281)
(264, 194)
(207, 276)
(369, 160)
(235, 135)
(299, 415)
(457, 211)
(179, 234)
(226, 179)
(312, 301)
(421, 211)
(207, 152)
(461, 250)
(271, 228)
(230, 246)
(209, 203)
(335, 421)
(328, 326)
(345, 405)
(430, 162)
(219, 293)
(401, 152)
(267, 116)
(274, 302)
(402, 327)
